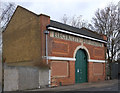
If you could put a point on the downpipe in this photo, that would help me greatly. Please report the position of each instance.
(46, 45)
(46, 55)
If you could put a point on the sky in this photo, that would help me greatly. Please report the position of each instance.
(57, 8)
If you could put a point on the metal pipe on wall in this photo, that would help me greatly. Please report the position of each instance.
(46, 45)
(46, 54)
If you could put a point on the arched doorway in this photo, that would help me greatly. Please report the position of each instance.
(81, 66)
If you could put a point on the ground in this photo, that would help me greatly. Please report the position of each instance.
(108, 85)
(0, 88)
(111, 86)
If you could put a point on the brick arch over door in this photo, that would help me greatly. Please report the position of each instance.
(84, 48)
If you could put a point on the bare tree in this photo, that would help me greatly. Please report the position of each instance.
(6, 13)
(107, 21)
(65, 19)
(76, 21)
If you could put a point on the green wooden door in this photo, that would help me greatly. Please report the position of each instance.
(81, 67)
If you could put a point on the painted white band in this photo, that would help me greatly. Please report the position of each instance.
(100, 61)
(71, 59)
(64, 31)
(60, 58)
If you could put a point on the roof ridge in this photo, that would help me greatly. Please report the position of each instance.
(78, 28)
(81, 31)
(91, 30)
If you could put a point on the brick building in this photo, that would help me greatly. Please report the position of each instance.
(38, 51)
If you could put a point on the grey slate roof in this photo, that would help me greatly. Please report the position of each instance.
(82, 31)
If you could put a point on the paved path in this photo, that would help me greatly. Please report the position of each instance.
(113, 87)
(108, 84)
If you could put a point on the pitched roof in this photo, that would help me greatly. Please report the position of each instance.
(82, 31)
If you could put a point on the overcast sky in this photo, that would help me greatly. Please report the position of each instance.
(57, 8)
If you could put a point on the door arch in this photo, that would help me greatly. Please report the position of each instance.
(81, 66)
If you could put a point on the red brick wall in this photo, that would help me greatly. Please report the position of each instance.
(67, 44)
(104, 37)
(96, 72)
(96, 52)
(65, 48)
(60, 68)
(70, 79)
(44, 20)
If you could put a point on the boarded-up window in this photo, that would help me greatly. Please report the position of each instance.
(98, 68)
(98, 53)
(60, 47)
(59, 68)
